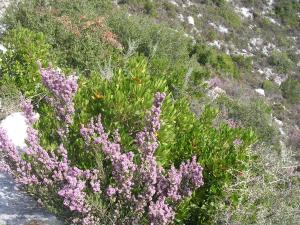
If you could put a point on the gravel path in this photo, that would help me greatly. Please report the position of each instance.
(16, 206)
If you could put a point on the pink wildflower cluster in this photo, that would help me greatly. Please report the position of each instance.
(11, 161)
(158, 190)
(55, 171)
(63, 90)
(232, 123)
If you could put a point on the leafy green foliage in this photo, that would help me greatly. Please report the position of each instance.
(9, 98)
(281, 61)
(291, 90)
(124, 89)
(216, 2)
(81, 40)
(255, 114)
(231, 17)
(222, 62)
(19, 63)
(86, 39)
(149, 6)
(167, 49)
(170, 8)
(287, 11)
(243, 63)
(270, 87)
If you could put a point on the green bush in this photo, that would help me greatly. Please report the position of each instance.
(270, 87)
(281, 61)
(231, 17)
(19, 63)
(291, 90)
(9, 99)
(150, 8)
(254, 113)
(217, 60)
(243, 63)
(79, 37)
(287, 11)
(216, 2)
(155, 41)
(170, 8)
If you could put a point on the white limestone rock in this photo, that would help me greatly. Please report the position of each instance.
(191, 20)
(2, 48)
(260, 91)
(16, 129)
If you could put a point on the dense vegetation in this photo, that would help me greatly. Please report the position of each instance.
(120, 62)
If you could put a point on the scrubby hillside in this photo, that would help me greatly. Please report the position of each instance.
(210, 80)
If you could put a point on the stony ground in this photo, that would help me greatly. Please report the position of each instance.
(16, 207)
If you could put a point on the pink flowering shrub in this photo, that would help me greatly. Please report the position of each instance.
(130, 185)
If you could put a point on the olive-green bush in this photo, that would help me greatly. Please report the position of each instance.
(19, 63)
(291, 90)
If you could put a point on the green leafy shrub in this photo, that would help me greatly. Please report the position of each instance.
(157, 42)
(217, 60)
(18, 65)
(80, 38)
(287, 11)
(281, 61)
(9, 99)
(231, 17)
(291, 90)
(149, 6)
(216, 2)
(170, 8)
(271, 88)
(243, 63)
(255, 114)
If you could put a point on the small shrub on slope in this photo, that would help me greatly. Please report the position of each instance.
(18, 64)
(291, 90)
